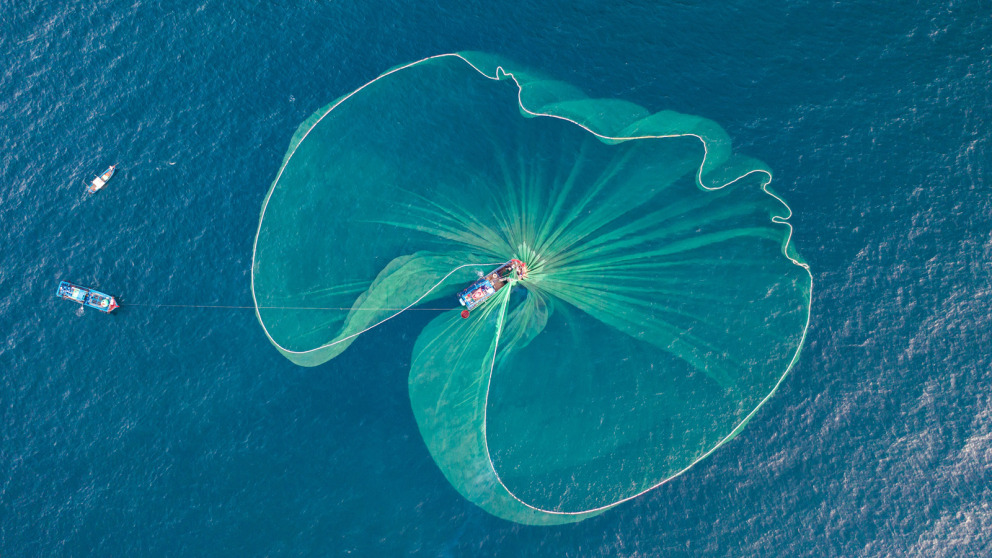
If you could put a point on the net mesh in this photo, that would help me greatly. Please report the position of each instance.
(663, 305)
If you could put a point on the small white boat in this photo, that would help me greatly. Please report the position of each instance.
(101, 181)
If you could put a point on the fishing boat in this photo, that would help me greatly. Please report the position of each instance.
(87, 297)
(488, 285)
(101, 181)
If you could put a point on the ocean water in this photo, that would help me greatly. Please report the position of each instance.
(181, 431)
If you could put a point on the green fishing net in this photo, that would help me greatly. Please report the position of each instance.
(664, 302)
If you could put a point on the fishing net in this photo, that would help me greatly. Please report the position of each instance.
(664, 302)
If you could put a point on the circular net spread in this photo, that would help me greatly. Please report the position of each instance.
(662, 306)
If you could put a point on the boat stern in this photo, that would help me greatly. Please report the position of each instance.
(96, 185)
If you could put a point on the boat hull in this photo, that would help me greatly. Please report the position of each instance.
(87, 297)
(101, 181)
(481, 290)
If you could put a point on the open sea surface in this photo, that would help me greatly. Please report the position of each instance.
(162, 431)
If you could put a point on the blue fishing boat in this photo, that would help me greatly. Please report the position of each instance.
(487, 285)
(87, 297)
(101, 181)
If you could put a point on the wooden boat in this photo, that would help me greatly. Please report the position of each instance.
(101, 181)
(87, 297)
(486, 286)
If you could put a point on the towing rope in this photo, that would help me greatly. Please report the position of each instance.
(398, 310)
(277, 307)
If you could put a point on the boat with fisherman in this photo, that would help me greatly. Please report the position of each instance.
(87, 297)
(100, 181)
(487, 285)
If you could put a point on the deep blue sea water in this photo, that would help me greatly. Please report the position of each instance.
(169, 432)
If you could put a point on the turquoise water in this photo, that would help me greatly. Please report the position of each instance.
(164, 431)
